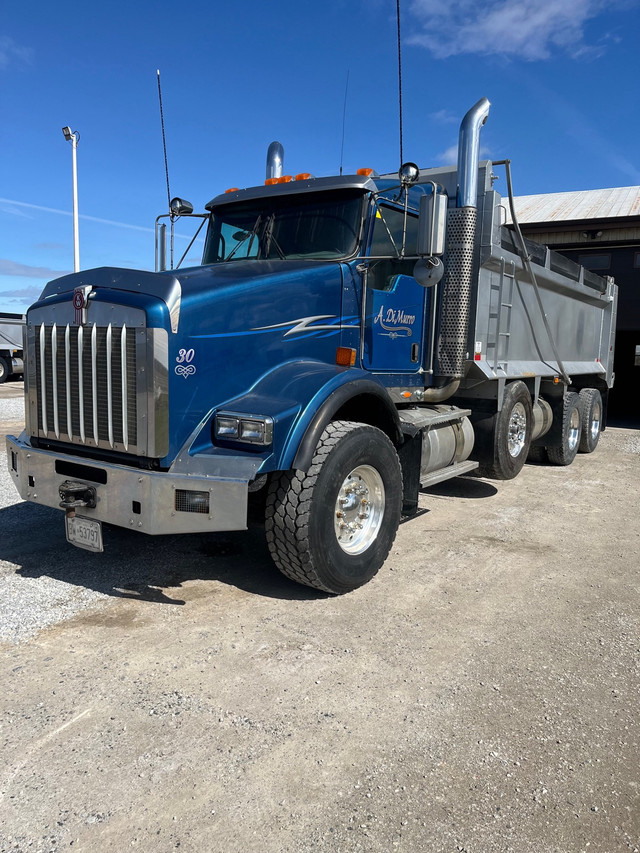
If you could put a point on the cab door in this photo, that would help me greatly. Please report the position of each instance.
(395, 304)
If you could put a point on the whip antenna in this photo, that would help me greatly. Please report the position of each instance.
(399, 78)
(164, 142)
(344, 119)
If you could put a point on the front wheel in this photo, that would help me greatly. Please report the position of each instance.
(332, 527)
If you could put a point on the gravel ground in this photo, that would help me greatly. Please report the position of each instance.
(480, 695)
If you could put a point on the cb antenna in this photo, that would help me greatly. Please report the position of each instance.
(344, 119)
(399, 78)
(164, 142)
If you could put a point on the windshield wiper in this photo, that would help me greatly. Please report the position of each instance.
(268, 238)
(249, 236)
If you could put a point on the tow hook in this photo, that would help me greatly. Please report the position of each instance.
(75, 494)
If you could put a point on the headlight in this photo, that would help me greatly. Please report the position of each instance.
(252, 429)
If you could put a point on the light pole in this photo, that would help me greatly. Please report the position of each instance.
(73, 137)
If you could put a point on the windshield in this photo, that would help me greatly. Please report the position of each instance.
(321, 226)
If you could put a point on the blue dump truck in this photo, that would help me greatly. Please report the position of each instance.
(345, 342)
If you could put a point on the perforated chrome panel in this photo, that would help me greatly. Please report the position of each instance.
(456, 296)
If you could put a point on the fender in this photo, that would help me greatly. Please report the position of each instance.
(302, 397)
(310, 426)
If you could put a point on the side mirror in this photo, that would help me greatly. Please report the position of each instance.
(432, 223)
(428, 271)
(180, 207)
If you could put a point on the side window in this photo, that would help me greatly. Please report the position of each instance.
(387, 232)
(387, 240)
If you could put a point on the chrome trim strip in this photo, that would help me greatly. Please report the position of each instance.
(123, 362)
(109, 389)
(54, 378)
(67, 376)
(81, 383)
(94, 380)
(43, 374)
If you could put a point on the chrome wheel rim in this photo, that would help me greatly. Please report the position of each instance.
(359, 509)
(574, 429)
(517, 430)
(595, 422)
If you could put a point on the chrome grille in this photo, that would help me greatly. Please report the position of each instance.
(86, 384)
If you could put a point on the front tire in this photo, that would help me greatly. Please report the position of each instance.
(332, 527)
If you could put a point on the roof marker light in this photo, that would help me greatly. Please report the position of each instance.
(232, 190)
(366, 172)
(304, 176)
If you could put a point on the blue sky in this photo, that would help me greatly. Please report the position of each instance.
(562, 76)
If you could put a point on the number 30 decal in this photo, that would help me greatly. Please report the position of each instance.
(183, 366)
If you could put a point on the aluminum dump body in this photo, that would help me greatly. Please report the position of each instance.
(510, 326)
(509, 309)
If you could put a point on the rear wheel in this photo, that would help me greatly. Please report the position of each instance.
(591, 401)
(537, 454)
(504, 439)
(5, 369)
(332, 527)
(565, 452)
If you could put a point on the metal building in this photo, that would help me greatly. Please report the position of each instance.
(599, 229)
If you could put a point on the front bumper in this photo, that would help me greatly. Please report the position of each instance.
(149, 501)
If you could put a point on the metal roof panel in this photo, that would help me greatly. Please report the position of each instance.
(613, 203)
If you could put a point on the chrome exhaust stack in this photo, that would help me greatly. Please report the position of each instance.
(275, 160)
(453, 344)
(469, 153)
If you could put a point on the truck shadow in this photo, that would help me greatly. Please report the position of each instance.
(146, 568)
(462, 487)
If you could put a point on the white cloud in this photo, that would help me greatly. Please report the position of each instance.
(29, 206)
(15, 268)
(444, 117)
(527, 29)
(21, 208)
(449, 157)
(12, 53)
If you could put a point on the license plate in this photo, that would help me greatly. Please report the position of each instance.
(84, 533)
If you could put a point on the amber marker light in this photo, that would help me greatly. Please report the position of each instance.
(270, 182)
(285, 179)
(304, 176)
(366, 172)
(406, 394)
(345, 356)
(232, 190)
